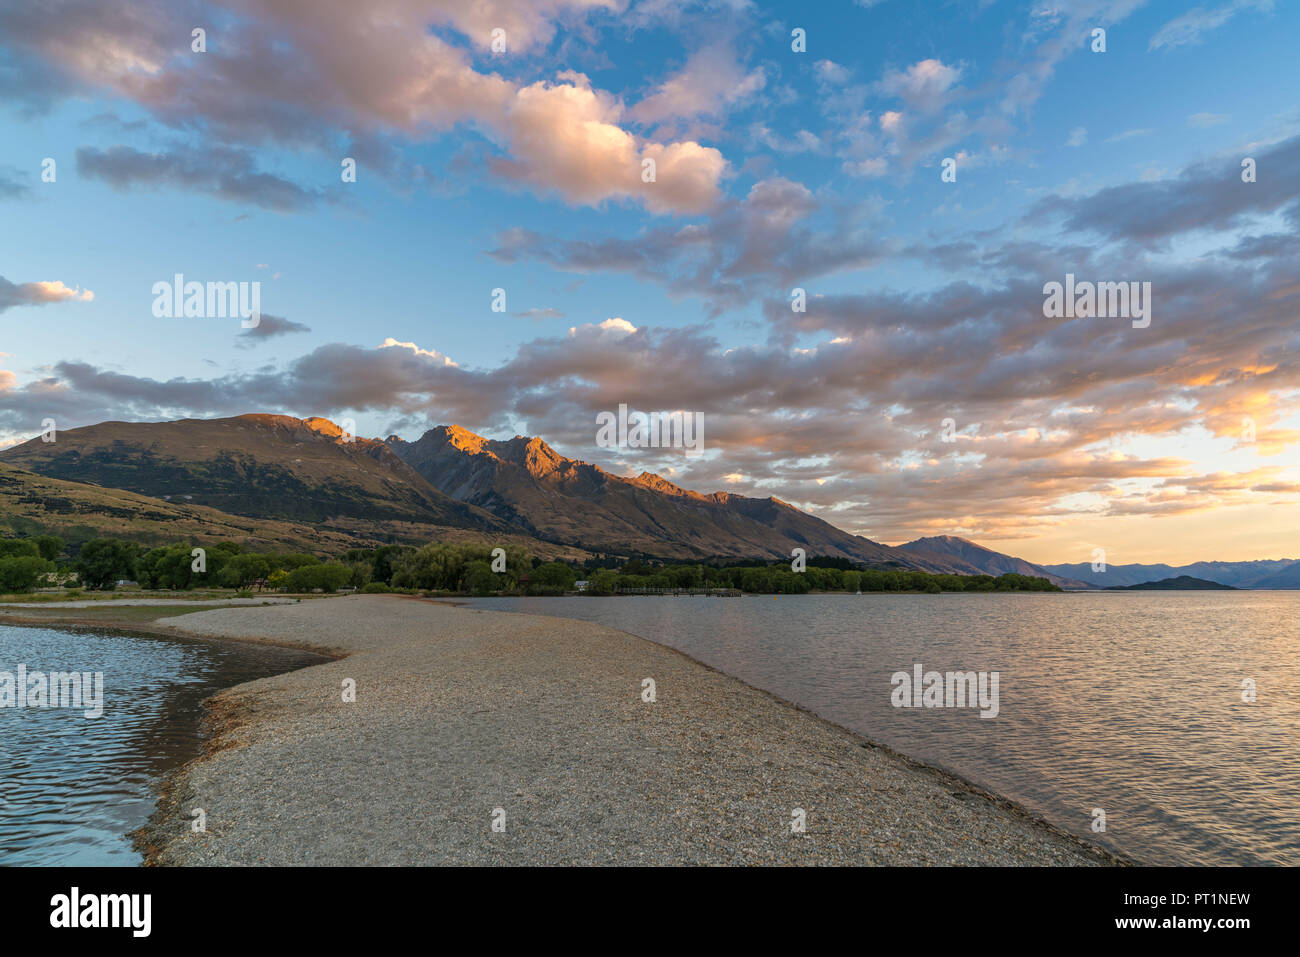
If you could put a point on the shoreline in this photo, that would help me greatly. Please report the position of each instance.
(600, 792)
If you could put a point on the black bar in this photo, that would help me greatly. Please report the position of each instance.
(338, 905)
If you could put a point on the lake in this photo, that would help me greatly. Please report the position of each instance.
(1126, 703)
(72, 787)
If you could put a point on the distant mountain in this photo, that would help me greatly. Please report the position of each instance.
(1114, 575)
(262, 466)
(969, 558)
(1286, 577)
(1276, 573)
(1181, 583)
(526, 483)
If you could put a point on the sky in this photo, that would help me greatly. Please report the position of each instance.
(921, 171)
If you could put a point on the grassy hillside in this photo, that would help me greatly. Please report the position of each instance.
(263, 466)
(32, 504)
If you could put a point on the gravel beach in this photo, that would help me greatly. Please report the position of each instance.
(464, 716)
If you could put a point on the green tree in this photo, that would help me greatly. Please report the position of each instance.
(479, 579)
(361, 573)
(101, 562)
(50, 546)
(327, 576)
(292, 561)
(167, 567)
(553, 576)
(18, 546)
(602, 582)
(242, 570)
(22, 573)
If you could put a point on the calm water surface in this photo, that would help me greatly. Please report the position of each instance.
(72, 787)
(1130, 702)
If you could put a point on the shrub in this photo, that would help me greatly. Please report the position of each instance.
(20, 573)
(480, 580)
(328, 577)
(553, 577)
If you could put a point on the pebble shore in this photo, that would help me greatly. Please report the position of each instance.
(465, 717)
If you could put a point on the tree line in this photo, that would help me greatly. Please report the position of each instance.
(460, 568)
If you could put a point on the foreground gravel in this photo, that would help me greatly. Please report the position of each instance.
(460, 712)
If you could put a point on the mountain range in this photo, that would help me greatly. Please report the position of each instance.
(1276, 573)
(306, 484)
(528, 485)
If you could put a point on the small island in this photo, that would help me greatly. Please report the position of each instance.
(1181, 583)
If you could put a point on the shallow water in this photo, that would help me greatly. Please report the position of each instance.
(71, 786)
(1130, 703)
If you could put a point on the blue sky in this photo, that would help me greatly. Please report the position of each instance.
(480, 170)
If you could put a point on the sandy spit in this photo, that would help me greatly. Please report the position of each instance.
(463, 717)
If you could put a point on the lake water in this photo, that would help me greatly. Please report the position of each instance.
(71, 786)
(1130, 703)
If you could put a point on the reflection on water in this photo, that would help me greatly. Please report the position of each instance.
(72, 787)
(1131, 703)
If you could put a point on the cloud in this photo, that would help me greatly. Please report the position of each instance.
(931, 123)
(1128, 135)
(1191, 27)
(736, 255)
(376, 73)
(1207, 119)
(544, 313)
(270, 327)
(39, 293)
(221, 172)
(566, 137)
(711, 80)
(391, 343)
(11, 184)
(1052, 33)
(924, 85)
(828, 71)
(1205, 196)
(802, 141)
(1078, 136)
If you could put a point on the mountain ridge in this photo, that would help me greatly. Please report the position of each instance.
(525, 481)
(1281, 573)
(258, 465)
(985, 560)
(452, 482)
